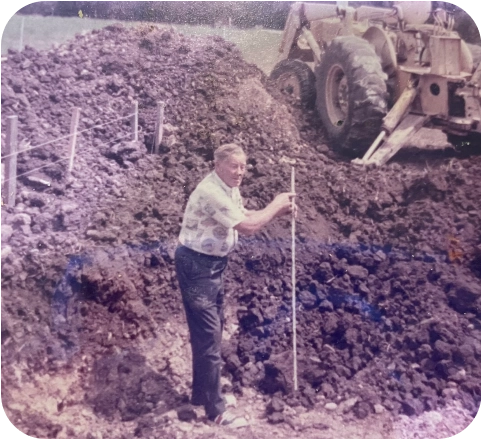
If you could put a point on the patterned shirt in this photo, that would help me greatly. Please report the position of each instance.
(212, 212)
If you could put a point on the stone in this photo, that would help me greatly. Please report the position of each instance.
(412, 407)
(362, 409)
(331, 406)
(307, 299)
(275, 405)
(275, 418)
(239, 423)
(187, 428)
(230, 400)
(378, 409)
(327, 390)
(250, 318)
(442, 350)
(37, 182)
(348, 404)
(20, 219)
(463, 296)
(68, 207)
(357, 272)
(324, 272)
(7, 250)
(186, 413)
(100, 236)
(449, 392)
(326, 305)
(7, 232)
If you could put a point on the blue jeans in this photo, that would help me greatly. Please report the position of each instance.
(200, 281)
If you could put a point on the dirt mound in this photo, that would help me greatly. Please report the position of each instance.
(387, 259)
(123, 383)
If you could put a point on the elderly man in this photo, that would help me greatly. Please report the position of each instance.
(213, 218)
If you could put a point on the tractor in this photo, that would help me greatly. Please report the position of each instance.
(377, 75)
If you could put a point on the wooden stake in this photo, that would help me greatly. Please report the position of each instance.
(294, 333)
(11, 161)
(159, 126)
(134, 121)
(73, 136)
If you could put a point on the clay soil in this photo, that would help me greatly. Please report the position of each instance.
(94, 340)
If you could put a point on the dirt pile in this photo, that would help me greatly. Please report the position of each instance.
(388, 260)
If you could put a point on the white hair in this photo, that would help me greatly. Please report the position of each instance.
(226, 150)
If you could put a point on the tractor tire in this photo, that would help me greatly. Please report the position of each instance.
(352, 97)
(297, 79)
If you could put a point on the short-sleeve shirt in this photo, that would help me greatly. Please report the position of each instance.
(212, 212)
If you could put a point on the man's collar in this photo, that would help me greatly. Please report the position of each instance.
(221, 183)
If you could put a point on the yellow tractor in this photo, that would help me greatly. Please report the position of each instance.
(377, 75)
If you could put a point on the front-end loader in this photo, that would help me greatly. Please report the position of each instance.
(377, 75)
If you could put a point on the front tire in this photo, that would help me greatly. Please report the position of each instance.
(351, 94)
(294, 77)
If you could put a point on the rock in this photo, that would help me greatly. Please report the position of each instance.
(232, 362)
(7, 232)
(308, 299)
(357, 272)
(275, 405)
(186, 428)
(20, 219)
(412, 407)
(100, 236)
(269, 313)
(362, 409)
(7, 250)
(66, 72)
(449, 392)
(459, 376)
(328, 390)
(239, 423)
(186, 413)
(177, 365)
(230, 400)
(331, 406)
(326, 305)
(378, 409)
(324, 272)
(275, 418)
(38, 183)
(348, 404)
(442, 351)
(68, 207)
(463, 296)
(250, 318)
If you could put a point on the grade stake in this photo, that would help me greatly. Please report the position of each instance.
(294, 334)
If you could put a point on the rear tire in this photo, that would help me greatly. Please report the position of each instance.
(297, 79)
(351, 94)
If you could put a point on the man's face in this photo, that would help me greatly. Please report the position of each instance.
(232, 169)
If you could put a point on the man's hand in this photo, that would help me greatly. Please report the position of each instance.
(284, 204)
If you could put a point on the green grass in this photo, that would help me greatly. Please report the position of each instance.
(259, 46)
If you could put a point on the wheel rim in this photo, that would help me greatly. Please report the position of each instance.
(289, 84)
(337, 93)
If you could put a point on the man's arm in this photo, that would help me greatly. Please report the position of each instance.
(256, 219)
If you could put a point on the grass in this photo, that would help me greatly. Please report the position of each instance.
(259, 46)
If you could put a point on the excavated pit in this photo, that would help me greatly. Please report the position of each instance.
(388, 260)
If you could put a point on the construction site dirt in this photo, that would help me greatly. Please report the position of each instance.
(94, 339)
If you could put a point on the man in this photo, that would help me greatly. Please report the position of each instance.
(212, 220)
